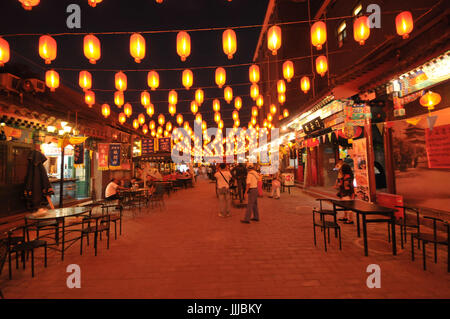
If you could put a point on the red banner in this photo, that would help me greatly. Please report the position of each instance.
(438, 146)
(103, 150)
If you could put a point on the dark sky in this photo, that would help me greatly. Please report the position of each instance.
(143, 15)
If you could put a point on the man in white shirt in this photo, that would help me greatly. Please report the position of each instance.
(252, 191)
(223, 178)
(111, 189)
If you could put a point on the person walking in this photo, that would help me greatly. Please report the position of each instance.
(346, 189)
(276, 186)
(223, 178)
(252, 191)
(240, 175)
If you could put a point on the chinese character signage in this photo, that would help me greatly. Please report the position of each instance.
(359, 156)
(164, 144)
(314, 125)
(78, 154)
(147, 146)
(103, 150)
(356, 114)
(114, 155)
(438, 146)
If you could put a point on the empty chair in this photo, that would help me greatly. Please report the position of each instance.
(115, 213)
(435, 238)
(325, 227)
(405, 222)
(94, 224)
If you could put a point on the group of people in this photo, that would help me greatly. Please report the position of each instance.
(246, 180)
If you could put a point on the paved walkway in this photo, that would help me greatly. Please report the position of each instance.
(187, 251)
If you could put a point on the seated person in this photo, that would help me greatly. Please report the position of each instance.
(126, 183)
(111, 189)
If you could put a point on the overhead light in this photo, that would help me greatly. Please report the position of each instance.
(67, 129)
(51, 129)
(63, 123)
(61, 132)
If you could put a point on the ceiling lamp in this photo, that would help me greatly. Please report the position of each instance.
(85, 80)
(237, 102)
(305, 84)
(183, 45)
(179, 119)
(273, 109)
(168, 126)
(121, 81)
(229, 43)
(288, 70)
(93, 3)
(217, 117)
(141, 119)
(122, 118)
(235, 115)
(89, 98)
(187, 78)
(135, 124)
(260, 101)
(47, 48)
(92, 49)
(173, 97)
(152, 125)
(52, 80)
(153, 80)
(150, 110)
(161, 119)
(361, 29)
(281, 87)
(221, 77)
(281, 98)
(118, 98)
(404, 24)
(285, 113)
(194, 107)
(254, 91)
(228, 94)
(198, 118)
(145, 129)
(216, 105)
(274, 39)
(4, 51)
(137, 47)
(145, 98)
(199, 96)
(106, 110)
(128, 109)
(430, 100)
(321, 65)
(253, 73)
(172, 109)
(29, 4)
(254, 111)
(318, 34)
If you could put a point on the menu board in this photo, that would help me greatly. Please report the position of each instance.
(359, 156)
(438, 146)
(164, 144)
(78, 154)
(114, 155)
(147, 146)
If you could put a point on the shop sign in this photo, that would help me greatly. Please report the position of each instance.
(103, 150)
(78, 154)
(147, 146)
(359, 156)
(356, 114)
(164, 144)
(114, 155)
(314, 125)
(438, 146)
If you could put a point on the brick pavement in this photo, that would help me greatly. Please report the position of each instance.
(187, 251)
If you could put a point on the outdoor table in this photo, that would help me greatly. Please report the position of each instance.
(368, 209)
(185, 181)
(60, 214)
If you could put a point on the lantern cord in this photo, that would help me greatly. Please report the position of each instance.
(202, 67)
(196, 29)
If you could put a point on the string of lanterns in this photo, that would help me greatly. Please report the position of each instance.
(92, 51)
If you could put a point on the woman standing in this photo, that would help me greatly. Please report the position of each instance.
(346, 190)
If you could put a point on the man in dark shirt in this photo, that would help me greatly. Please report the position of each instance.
(239, 173)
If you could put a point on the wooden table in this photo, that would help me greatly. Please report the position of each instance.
(366, 209)
(60, 214)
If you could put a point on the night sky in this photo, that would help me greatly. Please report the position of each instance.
(143, 15)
